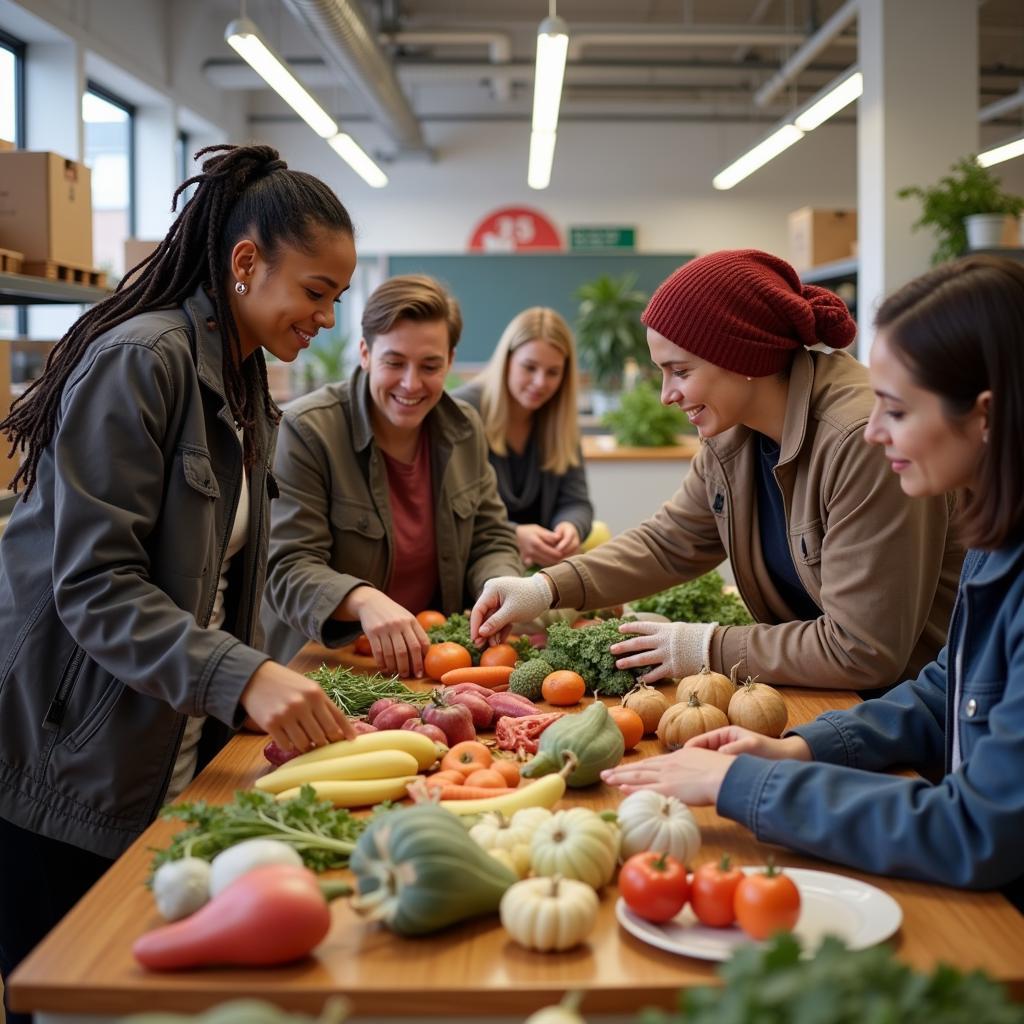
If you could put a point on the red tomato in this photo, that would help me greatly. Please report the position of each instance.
(654, 885)
(444, 657)
(428, 619)
(766, 903)
(500, 654)
(362, 645)
(712, 890)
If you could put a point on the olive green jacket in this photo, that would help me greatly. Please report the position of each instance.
(331, 527)
(882, 567)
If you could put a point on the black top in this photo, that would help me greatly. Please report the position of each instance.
(774, 531)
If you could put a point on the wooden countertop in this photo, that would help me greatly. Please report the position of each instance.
(602, 448)
(85, 964)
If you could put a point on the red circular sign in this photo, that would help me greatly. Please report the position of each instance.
(515, 229)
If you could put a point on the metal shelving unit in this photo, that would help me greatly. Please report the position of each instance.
(24, 290)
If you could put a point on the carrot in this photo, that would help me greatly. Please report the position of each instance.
(454, 778)
(487, 778)
(494, 677)
(449, 792)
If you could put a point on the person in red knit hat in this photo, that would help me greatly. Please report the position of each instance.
(849, 581)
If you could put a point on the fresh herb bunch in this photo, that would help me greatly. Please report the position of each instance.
(771, 984)
(322, 834)
(642, 421)
(586, 651)
(699, 600)
(355, 692)
(455, 630)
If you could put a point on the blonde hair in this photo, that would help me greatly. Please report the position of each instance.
(415, 297)
(558, 430)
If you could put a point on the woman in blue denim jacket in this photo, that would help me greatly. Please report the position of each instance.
(947, 368)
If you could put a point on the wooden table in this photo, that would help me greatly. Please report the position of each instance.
(85, 964)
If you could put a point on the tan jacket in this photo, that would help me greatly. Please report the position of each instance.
(331, 527)
(882, 567)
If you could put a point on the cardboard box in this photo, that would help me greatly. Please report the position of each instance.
(6, 145)
(136, 250)
(821, 236)
(46, 207)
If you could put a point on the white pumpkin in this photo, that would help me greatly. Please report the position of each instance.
(515, 858)
(549, 914)
(651, 821)
(495, 831)
(576, 844)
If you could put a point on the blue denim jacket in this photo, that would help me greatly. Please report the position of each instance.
(966, 829)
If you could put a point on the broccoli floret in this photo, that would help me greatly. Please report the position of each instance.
(527, 677)
(585, 651)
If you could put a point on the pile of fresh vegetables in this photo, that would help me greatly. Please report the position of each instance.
(699, 600)
(586, 652)
(456, 631)
(355, 692)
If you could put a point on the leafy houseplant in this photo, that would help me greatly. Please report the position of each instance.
(328, 358)
(642, 421)
(969, 189)
(608, 328)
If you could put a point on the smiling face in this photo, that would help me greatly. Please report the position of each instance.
(931, 452)
(713, 399)
(535, 372)
(407, 367)
(291, 298)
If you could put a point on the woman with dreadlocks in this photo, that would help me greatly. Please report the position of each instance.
(131, 571)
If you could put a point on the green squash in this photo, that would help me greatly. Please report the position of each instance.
(418, 871)
(592, 737)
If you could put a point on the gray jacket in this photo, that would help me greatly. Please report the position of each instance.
(332, 524)
(107, 579)
(564, 497)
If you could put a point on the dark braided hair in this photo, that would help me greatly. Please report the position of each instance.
(243, 191)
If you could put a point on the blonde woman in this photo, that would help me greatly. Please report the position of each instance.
(526, 397)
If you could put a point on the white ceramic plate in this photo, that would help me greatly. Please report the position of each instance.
(860, 914)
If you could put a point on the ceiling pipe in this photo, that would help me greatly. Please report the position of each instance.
(346, 40)
(697, 36)
(825, 36)
(498, 44)
(1003, 106)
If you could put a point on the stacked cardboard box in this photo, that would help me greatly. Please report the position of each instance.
(821, 236)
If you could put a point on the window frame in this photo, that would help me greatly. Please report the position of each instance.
(130, 109)
(17, 48)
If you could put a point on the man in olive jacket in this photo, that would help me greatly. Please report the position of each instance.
(344, 458)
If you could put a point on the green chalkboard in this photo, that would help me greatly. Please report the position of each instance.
(492, 288)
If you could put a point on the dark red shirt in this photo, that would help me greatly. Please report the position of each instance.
(414, 578)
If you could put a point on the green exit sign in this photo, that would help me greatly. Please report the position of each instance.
(587, 238)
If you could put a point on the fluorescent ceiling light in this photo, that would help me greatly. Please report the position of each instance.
(243, 37)
(1007, 151)
(552, 47)
(542, 153)
(835, 97)
(779, 140)
(350, 151)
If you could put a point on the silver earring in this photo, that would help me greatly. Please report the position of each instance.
(241, 287)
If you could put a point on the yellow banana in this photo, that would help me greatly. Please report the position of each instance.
(374, 764)
(423, 748)
(545, 792)
(355, 792)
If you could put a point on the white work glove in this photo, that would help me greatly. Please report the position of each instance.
(677, 648)
(508, 599)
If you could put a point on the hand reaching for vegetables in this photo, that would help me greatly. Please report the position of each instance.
(505, 600)
(397, 640)
(539, 546)
(677, 649)
(692, 775)
(294, 710)
(732, 739)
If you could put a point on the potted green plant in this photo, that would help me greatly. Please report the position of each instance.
(642, 421)
(608, 328)
(969, 191)
(326, 359)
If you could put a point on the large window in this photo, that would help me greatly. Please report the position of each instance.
(109, 152)
(12, 121)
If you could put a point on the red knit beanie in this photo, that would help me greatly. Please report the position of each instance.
(746, 311)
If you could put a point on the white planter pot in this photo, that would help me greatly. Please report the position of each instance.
(985, 230)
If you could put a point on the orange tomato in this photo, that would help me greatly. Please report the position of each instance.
(766, 903)
(451, 775)
(563, 688)
(486, 777)
(630, 724)
(362, 645)
(467, 757)
(428, 619)
(507, 769)
(500, 654)
(444, 657)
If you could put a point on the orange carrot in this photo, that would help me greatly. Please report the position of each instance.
(494, 677)
(450, 792)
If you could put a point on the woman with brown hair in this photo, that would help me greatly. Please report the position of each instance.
(388, 504)
(526, 397)
(947, 368)
(849, 581)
